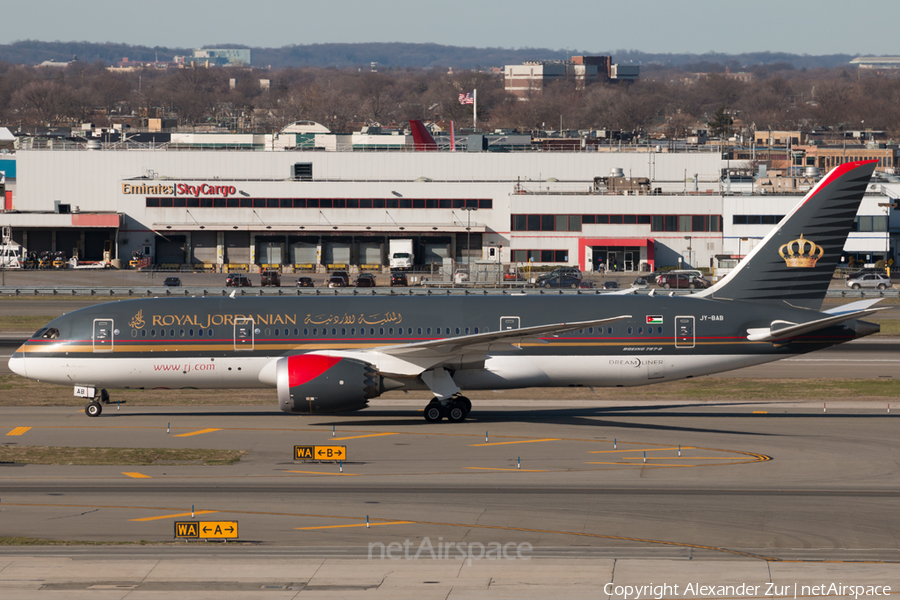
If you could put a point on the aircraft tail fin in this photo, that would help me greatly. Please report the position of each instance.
(422, 138)
(796, 261)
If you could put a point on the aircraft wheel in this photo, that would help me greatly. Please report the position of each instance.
(465, 402)
(93, 409)
(456, 412)
(434, 412)
(104, 396)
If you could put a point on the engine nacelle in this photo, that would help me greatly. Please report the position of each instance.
(315, 383)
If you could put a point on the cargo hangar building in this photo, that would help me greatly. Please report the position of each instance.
(636, 209)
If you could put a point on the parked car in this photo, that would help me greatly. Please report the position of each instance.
(343, 274)
(365, 280)
(271, 277)
(336, 281)
(560, 281)
(870, 280)
(586, 285)
(305, 282)
(561, 272)
(237, 280)
(682, 280)
(398, 278)
(860, 272)
(172, 282)
(610, 285)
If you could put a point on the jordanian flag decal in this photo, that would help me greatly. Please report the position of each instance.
(654, 320)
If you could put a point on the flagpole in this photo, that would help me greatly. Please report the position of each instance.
(475, 109)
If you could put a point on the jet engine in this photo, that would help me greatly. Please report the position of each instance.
(315, 383)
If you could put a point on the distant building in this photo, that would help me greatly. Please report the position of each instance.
(877, 62)
(232, 57)
(530, 78)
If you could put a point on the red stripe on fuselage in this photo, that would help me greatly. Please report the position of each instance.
(306, 367)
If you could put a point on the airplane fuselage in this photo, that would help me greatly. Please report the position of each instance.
(228, 342)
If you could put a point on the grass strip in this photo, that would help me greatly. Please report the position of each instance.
(65, 455)
(15, 540)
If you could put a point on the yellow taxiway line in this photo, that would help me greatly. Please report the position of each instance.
(356, 437)
(18, 431)
(355, 525)
(198, 512)
(519, 442)
(321, 473)
(136, 475)
(507, 469)
(196, 432)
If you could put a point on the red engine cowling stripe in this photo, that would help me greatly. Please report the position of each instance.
(306, 367)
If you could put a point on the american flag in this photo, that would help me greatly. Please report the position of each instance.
(466, 99)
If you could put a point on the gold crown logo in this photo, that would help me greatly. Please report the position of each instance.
(801, 253)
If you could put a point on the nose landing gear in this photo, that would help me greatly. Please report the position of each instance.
(94, 408)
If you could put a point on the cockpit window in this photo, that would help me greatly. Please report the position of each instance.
(46, 333)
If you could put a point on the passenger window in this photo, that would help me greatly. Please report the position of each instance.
(372, 331)
(200, 333)
(334, 331)
(640, 330)
(143, 333)
(381, 331)
(467, 331)
(659, 330)
(191, 332)
(305, 331)
(428, 331)
(630, 330)
(181, 332)
(162, 333)
(390, 331)
(315, 331)
(457, 331)
(609, 330)
(476, 330)
(171, 333)
(343, 331)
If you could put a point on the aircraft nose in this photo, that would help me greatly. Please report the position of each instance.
(17, 363)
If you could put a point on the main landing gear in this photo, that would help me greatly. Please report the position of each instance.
(455, 409)
(94, 408)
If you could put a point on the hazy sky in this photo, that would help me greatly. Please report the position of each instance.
(694, 26)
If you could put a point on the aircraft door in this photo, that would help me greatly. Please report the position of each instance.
(103, 335)
(507, 323)
(684, 332)
(243, 333)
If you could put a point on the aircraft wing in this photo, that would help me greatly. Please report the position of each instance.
(485, 341)
(410, 360)
(782, 330)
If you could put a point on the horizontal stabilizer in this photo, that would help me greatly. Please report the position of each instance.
(782, 330)
(852, 307)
